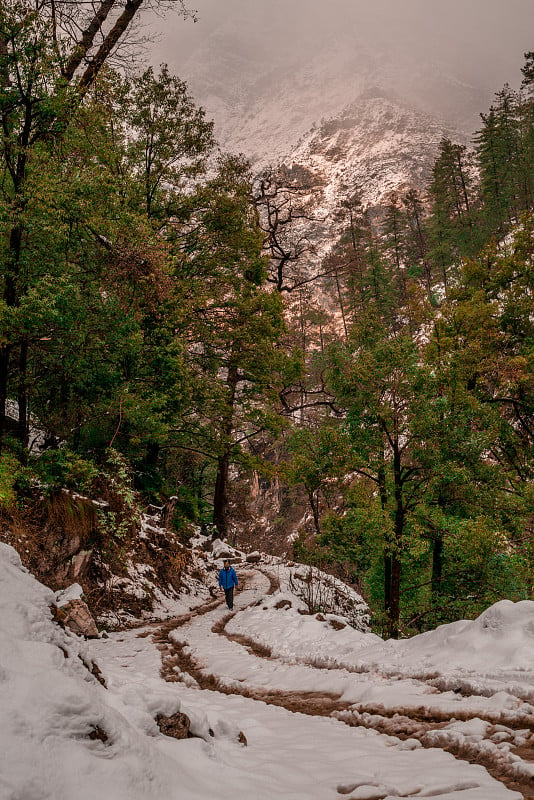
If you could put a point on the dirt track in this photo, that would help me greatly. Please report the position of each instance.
(404, 723)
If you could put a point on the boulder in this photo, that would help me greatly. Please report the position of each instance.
(221, 549)
(76, 616)
(253, 558)
(176, 726)
(66, 596)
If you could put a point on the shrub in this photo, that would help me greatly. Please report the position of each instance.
(63, 468)
(9, 472)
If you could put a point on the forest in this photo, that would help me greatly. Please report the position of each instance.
(157, 337)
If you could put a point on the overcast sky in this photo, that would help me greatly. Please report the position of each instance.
(482, 40)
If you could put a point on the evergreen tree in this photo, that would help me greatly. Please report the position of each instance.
(505, 166)
(50, 58)
(452, 220)
(417, 239)
(395, 244)
(234, 326)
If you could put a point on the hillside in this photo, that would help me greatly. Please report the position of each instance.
(375, 145)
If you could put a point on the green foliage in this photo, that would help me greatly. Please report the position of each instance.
(115, 480)
(434, 378)
(505, 155)
(58, 468)
(9, 472)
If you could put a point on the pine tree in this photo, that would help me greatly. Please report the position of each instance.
(452, 219)
(234, 326)
(396, 234)
(417, 239)
(504, 182)
(50, 59)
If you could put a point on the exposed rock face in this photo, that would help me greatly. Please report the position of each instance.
(76, 616)
(377, 144)
(60, 541)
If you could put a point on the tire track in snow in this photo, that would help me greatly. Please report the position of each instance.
(420, 726)
(177, 663)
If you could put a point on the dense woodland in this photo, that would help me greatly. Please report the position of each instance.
(151, 337)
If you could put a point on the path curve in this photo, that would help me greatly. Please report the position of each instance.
(198, 650)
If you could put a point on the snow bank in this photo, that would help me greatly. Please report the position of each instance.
(500, 640)
(62, 734)
(282, 624)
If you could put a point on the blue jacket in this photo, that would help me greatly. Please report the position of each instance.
(228, 579)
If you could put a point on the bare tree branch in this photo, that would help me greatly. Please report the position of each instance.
(88, 37)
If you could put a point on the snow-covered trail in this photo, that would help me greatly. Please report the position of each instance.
(378, 753)
(218, 650)
(65, 736)
(462, 722)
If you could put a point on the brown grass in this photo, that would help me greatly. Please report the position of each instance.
(47, 532)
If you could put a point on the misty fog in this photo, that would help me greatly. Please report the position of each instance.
(482, 41)
(267, 70)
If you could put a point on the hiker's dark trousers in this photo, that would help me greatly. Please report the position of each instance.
(229, 597)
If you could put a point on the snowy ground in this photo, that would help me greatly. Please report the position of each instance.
(468, 688)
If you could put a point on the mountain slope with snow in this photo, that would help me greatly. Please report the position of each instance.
(375, 146)
(265, 95)
(354, 114)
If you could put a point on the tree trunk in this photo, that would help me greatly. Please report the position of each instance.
(87, 39)
(394, 617)
(387, 583)
(437, 565)
(122, 24)
(340, 298)
(313, 497)
(395, 596)
(11, 300)
(23, 421)
(220, 496)
(4, 373)
(387, 556)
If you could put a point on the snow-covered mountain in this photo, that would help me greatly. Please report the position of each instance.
(375, 145)
(264, 102)
(345, 113)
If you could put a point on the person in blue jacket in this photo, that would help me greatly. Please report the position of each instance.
(227, 582)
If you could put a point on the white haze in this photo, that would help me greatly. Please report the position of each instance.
(482, 40)
(267, 70)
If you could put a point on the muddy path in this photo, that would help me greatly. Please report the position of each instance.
(506, 746)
